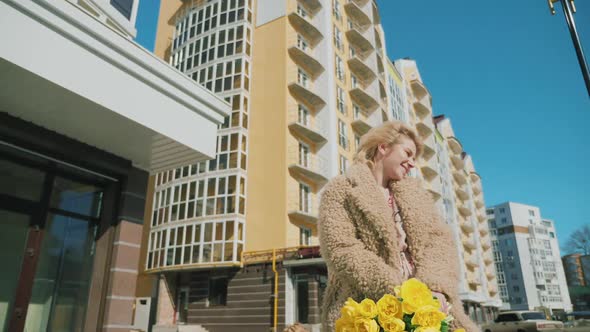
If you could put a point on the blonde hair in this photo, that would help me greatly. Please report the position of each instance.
(390, 133)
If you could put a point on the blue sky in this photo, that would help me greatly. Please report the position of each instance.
(507, 76)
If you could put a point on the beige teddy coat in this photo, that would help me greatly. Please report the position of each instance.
(359, 243)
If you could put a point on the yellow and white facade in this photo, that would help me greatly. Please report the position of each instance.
(306, 79)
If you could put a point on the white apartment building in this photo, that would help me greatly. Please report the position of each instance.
(527, 258)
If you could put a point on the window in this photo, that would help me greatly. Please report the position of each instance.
(340, 100)
(302, 115)
(304, 158)
(301, 11)
(337, 38)
(356, 111)
(357, 141)
(304, 236)
(302, 43)
(302, 78)
(336, 10)
(503, 220)
(507, 318)
(123, 6)
(490, 212)
(531, 213)
(304, 198)
(353, 82)
(502, 210)
(218, 291)
(343, 164)
(339, 69)
(342, 135)
(516, 289)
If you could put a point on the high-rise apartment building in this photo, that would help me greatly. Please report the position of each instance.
(577, 269)
(306, 79)
(233, 243)
(527, 258)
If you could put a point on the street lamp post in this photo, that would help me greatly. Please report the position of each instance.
(568, 10)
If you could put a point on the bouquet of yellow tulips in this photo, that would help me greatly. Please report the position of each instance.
(413, 308)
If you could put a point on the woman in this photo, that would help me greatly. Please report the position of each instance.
(379, 228)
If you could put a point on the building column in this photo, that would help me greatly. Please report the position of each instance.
(123, 268)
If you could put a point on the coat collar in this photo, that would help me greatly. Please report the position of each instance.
(368, 197)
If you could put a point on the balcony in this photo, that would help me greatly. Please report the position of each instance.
(423, 130)
(361, 3)
(479, 203)
(313, 131)
(470, 262)
(428, 172)
(493, 290)
(464, 210)
(361, 126)
(376, 16)
(483, 231)
(418, 89)
(474, 177)
(485, 245)
(482, 218)
(305, 28)
(455, 145)
(313, 6)
(460, 177)
(476, 189)
(488, 260)
(361, 70)
(303, 216)
(458, 162)
(462, 194)
(355, 13)
(490, 273)
(308, 167)
(357, 38)
(307, 61)
(306, 96)
(469, 243)
(427, 152)
(421, 110)
(364, 100)
(467, 227)
(435, 194)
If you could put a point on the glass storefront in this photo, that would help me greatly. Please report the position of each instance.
(49, 218)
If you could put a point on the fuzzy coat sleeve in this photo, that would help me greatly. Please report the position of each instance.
(346, 256)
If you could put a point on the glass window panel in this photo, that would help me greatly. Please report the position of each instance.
(187, 255)
(197, 233)
(189, 234)
(206, 253)
(217, 252)
(233, 160)
(62, 276)
(232, 185)
(199, 208)
(172, 236)
(218, 231)
(180, 236)
(228, 252)
(220, 205)
(211, 187)
(210, 207)
(208, 232)
(195, 258)
(21, 181)
(181, 211)
(240, 232)
(190, 213)
(76, 197)
(229, 230)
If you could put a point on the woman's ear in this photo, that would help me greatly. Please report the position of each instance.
(382, 149)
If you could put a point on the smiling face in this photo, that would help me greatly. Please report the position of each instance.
(398, 159)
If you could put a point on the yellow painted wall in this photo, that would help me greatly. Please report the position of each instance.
(267, 168)
(166, 25)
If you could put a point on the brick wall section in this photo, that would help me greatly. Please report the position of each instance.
(249, 300)
(123, 277)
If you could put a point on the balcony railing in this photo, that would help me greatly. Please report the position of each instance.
(308, 166)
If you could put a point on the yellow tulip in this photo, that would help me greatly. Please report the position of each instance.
(350, 309)
(367, 308)
(415, 294)
(344, 324)
(459, 330)
(428, 316)
(393, 325)
(366, 325)
(389, 307)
